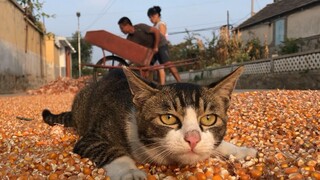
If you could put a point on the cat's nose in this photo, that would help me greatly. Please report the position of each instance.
(192, 137)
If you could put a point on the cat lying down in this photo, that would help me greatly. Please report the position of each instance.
(123, 119)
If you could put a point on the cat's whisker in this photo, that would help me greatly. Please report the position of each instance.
(222, 157)
(158, 151)
(161, 157)
(164, 155)
(146, 145)
(150, 147)
(218, 155)
(151, 159)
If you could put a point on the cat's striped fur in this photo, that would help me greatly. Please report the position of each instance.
(123, 118)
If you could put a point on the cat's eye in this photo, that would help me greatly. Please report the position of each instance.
(168, 119)
(208, 120)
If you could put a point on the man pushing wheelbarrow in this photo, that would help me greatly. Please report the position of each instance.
(149, 37)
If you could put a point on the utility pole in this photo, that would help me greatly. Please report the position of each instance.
(252, 8)
(228, 25)
(79, 47)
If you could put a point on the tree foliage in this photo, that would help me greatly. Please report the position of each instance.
(86, 53)
(34, 11)
(218, 51)
(194, 46)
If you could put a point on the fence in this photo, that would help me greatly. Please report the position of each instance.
(303, 67)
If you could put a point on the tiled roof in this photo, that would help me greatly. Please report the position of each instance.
(275, 10)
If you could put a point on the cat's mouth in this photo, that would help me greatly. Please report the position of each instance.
(190, 157)
(191, 153)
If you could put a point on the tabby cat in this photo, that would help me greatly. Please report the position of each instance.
(123, 119)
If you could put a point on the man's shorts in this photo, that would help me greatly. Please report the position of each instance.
(162, 55)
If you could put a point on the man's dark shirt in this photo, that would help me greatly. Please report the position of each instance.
(144, 37)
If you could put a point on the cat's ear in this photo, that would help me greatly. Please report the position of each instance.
(225, 86)
(139, 88)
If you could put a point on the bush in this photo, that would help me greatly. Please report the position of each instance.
(289, 46)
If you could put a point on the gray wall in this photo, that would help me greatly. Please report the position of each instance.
(18, 70)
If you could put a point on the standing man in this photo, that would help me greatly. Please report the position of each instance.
(149, 37)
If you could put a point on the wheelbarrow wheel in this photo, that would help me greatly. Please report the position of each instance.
(107, 60)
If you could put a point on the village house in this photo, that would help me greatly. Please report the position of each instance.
(284, 19)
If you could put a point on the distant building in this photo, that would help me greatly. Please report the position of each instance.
(58, 57)
(285, 19)
(65, 51)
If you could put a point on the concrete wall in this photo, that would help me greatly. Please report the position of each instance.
(22, 50)
(28, 57)
(305, 23)
(286, 80)
(261, 31)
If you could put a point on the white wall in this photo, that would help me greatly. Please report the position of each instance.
(305, 23)
(262, 31)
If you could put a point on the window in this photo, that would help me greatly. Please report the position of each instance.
(279, 31)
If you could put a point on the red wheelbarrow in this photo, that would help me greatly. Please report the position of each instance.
(125, 52)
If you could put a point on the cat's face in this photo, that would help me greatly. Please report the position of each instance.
(180, 123)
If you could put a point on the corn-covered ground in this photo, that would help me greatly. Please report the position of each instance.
(283, 125)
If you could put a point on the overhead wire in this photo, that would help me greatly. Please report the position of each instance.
(100, 15)
(214, 28)
(195, 30)
(239, 21)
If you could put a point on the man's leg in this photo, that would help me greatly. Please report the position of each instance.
(162, 76)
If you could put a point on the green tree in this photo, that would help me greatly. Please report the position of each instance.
(86, 54)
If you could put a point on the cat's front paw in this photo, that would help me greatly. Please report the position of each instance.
(131, 174)
(124, 168)
(227, 149)
(243, 152)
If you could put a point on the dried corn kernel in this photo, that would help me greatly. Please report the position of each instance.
(47, 151)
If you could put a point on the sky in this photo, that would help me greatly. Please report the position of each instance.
(178, 14)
